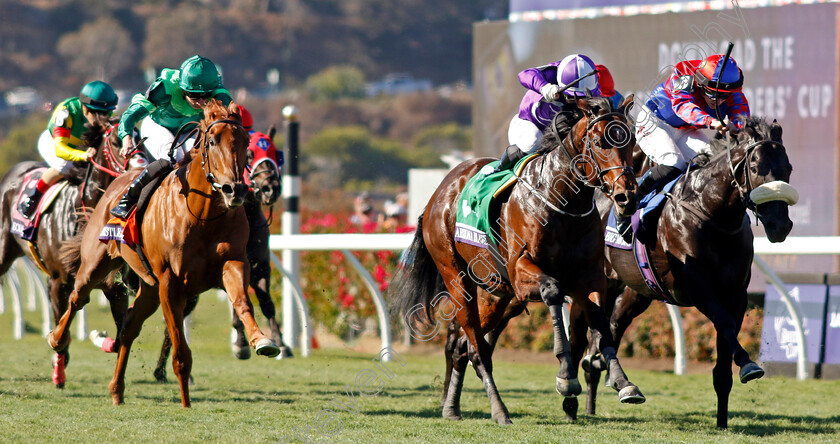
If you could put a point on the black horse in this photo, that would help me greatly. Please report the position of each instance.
(61, 222)
(265, 183)
(702, 251)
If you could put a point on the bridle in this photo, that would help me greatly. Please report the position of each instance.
(205, 157)
(588, 156)
(749, 155)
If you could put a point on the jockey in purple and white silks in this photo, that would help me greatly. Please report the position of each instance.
(543, 100)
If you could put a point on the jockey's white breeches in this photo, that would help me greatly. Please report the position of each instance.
(46, 147)
(159, 140)
(667, 145)
(523, 134)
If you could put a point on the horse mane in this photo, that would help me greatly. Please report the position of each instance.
(755, 127)
(549, 140)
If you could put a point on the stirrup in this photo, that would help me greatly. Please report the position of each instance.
(123, 208)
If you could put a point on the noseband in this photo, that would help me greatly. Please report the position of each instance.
(205, 157)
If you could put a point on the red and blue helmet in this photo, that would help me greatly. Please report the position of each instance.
(708, 73)
(574, 67)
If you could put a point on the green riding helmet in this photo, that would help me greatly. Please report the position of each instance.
(98, 96)
(199, 75)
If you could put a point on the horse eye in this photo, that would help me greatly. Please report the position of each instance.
(754, 170)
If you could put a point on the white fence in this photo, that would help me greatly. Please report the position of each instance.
(24, 279)
(346, 242)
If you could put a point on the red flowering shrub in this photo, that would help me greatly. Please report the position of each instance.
(338, 297)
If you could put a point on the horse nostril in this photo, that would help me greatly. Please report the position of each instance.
(227, 189)
(620, 199)
(265, 189)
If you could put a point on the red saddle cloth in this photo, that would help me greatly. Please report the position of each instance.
(123, 231)
(27, 229)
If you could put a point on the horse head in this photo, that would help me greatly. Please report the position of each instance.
(265, 174)
(222, 145)
(603, 143)
(762, 170)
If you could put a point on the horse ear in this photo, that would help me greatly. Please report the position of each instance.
(626, 102)
(249, 157)
(272, 131)
(776, 131)
(583, 105)
(233, 109)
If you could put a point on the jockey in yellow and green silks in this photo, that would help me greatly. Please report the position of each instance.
(61, 143)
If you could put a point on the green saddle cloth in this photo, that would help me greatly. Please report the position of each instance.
(472, 222)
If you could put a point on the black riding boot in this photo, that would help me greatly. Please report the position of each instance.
(509, 158)
(129, 199)
(658, 175)
(29, 203)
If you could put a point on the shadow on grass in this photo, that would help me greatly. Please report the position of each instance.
(760, 424)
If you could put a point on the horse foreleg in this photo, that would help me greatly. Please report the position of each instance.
(722, 381)
(235, 276)
(530, 281)
(726, 319)
(260, 281)
(144, 305)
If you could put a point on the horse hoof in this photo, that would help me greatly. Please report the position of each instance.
(451, 414)
(54, 344)
(241, 352)
(631, 395)
(567, 387)
(285, 353)
(267, 347)
(502, 420)
(751, 371)
(160, 375)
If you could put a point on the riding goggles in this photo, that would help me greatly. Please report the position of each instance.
(198, 95)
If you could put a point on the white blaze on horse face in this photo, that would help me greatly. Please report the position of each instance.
(776, 190)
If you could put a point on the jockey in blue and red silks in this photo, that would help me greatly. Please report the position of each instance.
(669, 125)
(543, 100)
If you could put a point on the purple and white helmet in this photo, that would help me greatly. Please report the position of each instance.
(574, 67)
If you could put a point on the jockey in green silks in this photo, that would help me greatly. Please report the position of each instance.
(175, 98)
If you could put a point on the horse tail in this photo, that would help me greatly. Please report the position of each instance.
(70, 253)
(416, 281)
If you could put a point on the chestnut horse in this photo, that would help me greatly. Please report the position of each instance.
(265, 190)
(61, 222)
(193, 237)
(550, 243)
(703, 251)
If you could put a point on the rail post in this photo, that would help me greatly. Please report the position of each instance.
(291, 223)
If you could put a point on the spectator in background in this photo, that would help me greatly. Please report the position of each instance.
(395, 213)
(605, 81)
(363, 214)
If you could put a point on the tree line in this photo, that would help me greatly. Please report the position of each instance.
(57, 45)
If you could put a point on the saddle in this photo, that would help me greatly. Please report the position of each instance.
(27, 229)
(643, 224)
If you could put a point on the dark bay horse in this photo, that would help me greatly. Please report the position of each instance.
(193, 237)
(264, 177)
(551, 245)
(703, 250)
(61, 222)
